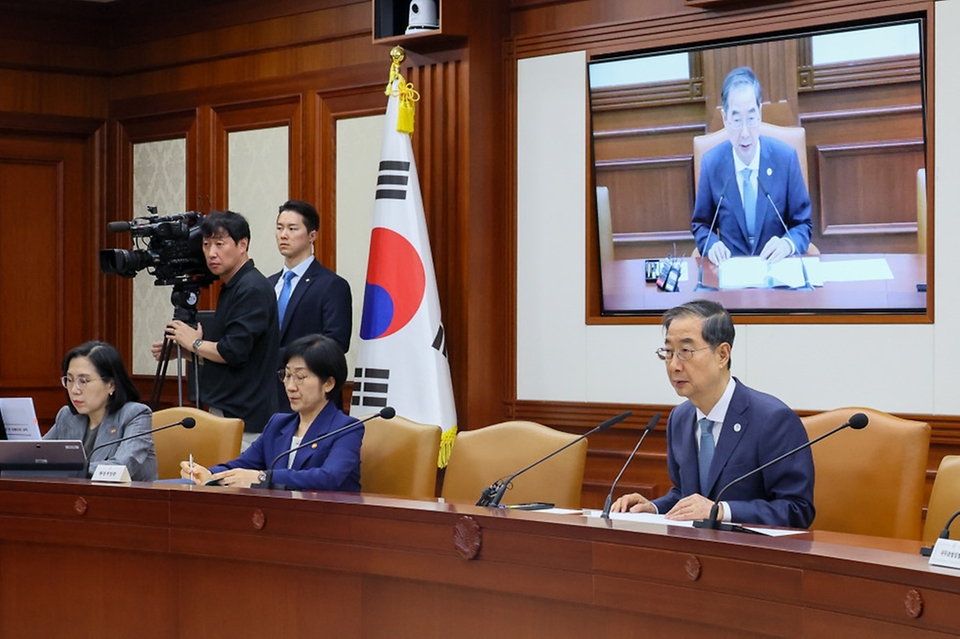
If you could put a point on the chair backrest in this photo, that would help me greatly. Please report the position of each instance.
(604, 224)
(212, 441)
(944, 500)
(869, 481)
(399, 457)
(795, 136)
(481, 457)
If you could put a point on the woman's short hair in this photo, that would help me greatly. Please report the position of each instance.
(106, 359)
(323, 356)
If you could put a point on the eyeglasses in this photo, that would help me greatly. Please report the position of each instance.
(299, 378)
(736, 123)
(80, 382)
(684, 354)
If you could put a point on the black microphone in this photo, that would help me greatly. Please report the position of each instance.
(186, 422)
(803, 267)
(703, 256)
(609, 502)
(387, 412)
(856, 422)
(118, 227)
(493, 493)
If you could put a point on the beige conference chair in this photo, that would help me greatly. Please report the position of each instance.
(212, 441)
(481, 457)
(944, 500)
(399, 457)
(869, 481)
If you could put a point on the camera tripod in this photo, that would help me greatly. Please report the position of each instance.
(184, 299)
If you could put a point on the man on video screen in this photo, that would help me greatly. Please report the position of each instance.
(741, 176)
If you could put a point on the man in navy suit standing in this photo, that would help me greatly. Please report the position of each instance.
(743, 171)
(310, 297)
(723, 431)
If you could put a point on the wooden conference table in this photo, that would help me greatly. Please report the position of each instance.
(85, 560)
(625, 289)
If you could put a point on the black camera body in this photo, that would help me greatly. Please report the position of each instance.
(169, 247)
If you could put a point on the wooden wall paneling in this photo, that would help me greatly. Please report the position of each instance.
(868, 199)
(49, 270)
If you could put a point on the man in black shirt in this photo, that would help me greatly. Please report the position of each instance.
(238, 349)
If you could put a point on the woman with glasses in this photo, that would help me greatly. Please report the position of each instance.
(314, 370)
(103, 407)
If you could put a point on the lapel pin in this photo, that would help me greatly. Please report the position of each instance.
(113, 431)
(736, 427)
(769, 171)
(314, 446)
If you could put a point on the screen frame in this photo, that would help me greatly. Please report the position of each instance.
(757, 33)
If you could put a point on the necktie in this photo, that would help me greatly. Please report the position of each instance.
(706, 452)
(749, 205)
(285, 294)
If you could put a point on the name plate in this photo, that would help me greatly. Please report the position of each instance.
(115, 473)
(946, 552)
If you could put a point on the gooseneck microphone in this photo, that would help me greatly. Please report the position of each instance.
(387, 412)
(493, 493)
(803, 267)
(186, 422)
(716, 213)
(856, 422)
(926, 551)
(609, 502)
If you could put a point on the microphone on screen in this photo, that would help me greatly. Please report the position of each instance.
(493, 493)
(609, 502)
(387, 412)
(806, 278)
(856, 422)
(716, 213)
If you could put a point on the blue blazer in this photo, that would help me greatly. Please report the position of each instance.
(321, 303)
(757, 428)
(332, 464)
(780, 174)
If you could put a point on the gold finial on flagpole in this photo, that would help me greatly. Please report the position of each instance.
(404, 91)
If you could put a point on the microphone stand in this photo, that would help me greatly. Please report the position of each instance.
(926, 551)
(806, 279)
(387, 412)
(493, 493)
(716, 213)
(609, 501)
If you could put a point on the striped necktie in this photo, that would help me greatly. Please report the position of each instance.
(706, 452)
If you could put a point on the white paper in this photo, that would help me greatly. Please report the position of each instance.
(856, 270)
(756, 272)
(19, 418)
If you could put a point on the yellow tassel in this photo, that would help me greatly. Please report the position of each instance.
(447, 440)
(404, 91)
(407, 110)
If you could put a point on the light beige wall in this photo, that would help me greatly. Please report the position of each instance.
(897, 367)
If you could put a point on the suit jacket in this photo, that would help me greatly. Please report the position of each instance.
(321, 303)
(136, 454)
(779, 174)
(757, 428)
(332, 464)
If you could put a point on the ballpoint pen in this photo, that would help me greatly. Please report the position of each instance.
(191, 466)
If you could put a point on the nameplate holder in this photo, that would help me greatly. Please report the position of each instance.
(113, 473)
(946, 553)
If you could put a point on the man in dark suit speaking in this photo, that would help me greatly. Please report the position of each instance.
(723, 431)
(742, 171)
(310, 297)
